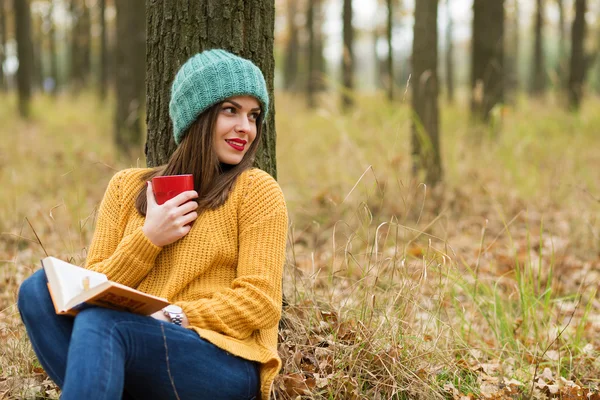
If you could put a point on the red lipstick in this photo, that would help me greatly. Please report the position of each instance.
(237, 144)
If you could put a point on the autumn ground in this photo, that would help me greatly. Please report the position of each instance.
(483, 288)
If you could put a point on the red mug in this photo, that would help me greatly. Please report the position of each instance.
(169, 186)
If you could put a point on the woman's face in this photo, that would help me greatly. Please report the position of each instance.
(235, 129)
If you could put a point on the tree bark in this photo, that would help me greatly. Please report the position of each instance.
(449, 55)
(103, 81)
(425, 127)
(3, 85)
(487, 62)
(24, 53)
(130, 58)
(538, 78)
(347, 56)
(578, 59)
(290, 71)
(311, 83)
(390, 56)
(181, 28)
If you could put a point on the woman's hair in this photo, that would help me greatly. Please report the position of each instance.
(195, 155)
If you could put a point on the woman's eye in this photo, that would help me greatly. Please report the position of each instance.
(229, 110)
(254, 116)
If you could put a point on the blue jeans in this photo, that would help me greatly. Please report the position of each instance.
(107, 354)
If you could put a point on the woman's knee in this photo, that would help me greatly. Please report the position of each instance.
(33, 293)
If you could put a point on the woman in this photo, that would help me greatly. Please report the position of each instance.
(216, 253)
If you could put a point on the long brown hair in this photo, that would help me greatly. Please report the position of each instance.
(195, 155)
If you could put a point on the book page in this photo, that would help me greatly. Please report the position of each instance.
(70, 278)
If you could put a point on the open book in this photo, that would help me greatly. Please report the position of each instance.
(73, 288)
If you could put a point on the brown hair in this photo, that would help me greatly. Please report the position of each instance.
(195, 155)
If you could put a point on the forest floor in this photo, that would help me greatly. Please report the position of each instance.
(483, 287)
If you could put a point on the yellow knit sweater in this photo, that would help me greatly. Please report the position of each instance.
(225, 273)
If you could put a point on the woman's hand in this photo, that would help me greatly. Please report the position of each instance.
(169, 222)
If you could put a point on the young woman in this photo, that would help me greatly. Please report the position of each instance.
(216, 253)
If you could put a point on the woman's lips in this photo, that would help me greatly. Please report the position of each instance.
(236, 144)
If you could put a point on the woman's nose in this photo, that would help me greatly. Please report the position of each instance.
(243, 123)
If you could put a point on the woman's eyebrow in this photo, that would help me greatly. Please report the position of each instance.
(237, 105)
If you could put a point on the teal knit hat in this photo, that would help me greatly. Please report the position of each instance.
(209, 78)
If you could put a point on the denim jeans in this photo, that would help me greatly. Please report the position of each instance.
(107, 354)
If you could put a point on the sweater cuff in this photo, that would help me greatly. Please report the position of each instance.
(143, 249)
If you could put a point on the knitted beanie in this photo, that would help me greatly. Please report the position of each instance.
(208, 78)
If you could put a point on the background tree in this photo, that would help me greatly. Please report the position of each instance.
(390, 56)
(292, 49)
(449, 54)
(562, 45)
(24, 53)
(130, 60)
(193, 26)
(52, 49)
(80, 43)
(38, 51)
(320, 65)
(425, 127)
(3, 85)
(347, 55)
(103, 59)
(538, 72)
(487, 62)
(511, 54)
(579, 62)
(311, 83)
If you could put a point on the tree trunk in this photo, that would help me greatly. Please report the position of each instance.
(3, 85)
(24, 53)
(425, 127)
(578, 58)
(290, 71)
(103, 81)
(246, 29)
(52, 48)
(320, 65)
(311, 84)
(538, 78)
(85, 33)
(75, 73)
(449, 55)
(80, 43)
(511, 56)
(37, 43)
(347, 56)
(562, 50)
(390, 56)
(130, 58)
(487, 69)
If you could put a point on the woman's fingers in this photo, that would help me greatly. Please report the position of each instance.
(187, 207)
(189, 218)
(150, 194)
(181, 198)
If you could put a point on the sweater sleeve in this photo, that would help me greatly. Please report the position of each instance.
(123, 259)
(253, 301)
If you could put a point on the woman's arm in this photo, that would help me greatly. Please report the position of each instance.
(124, 259)
(254, 299)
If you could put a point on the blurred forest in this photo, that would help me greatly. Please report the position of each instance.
(440, 160)
(489, 52)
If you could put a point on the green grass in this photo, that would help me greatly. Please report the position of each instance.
(396, 290)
